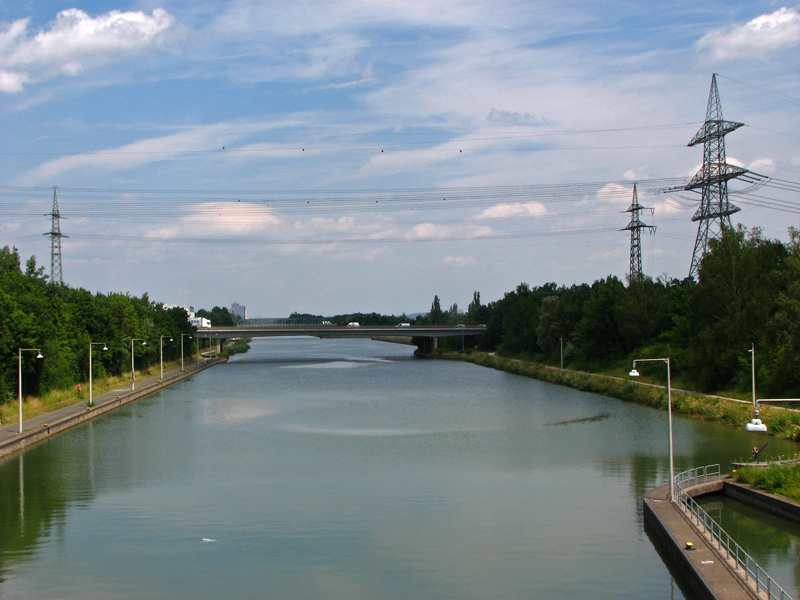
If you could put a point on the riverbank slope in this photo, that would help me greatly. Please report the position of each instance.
(781, 422)
(41, 427)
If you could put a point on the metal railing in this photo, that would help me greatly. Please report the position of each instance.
(725, 544)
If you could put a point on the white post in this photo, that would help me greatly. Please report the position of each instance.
(671, 455)
(635, 373)
(753, 352)
(133, 371)
(182, 336)
(91, 396)
(19, 368)
(161, 341)
(20, 391)
(90, 375)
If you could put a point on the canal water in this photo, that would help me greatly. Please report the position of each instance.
(348, 469)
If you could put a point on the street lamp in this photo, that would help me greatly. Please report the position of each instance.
(635, 373)
(103, 344)
(38, 355)
(161, 342)
(755, 424)
(133, 371)
(182, 336)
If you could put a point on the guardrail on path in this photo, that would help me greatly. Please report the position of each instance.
(726, 546)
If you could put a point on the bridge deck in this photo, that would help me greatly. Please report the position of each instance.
(430, 331)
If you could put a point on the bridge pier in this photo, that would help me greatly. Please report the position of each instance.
(427, 345)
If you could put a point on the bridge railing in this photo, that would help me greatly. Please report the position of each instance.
(733, 552)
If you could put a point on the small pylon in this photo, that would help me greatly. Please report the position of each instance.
(714, 214)
(635, 227)
(55, 242)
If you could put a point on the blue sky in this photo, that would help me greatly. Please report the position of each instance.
(330, 157)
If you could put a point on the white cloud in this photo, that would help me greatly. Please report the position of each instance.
(191, 142)
(506, 117)
(614, 194)
(433, 232)
(219, 219)
(506, 210)
(460, 261)
(428, 231)
(232, 218)
(757, 38)
(765, 166)
(76, 42)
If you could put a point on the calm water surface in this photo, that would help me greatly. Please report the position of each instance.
(349, 469)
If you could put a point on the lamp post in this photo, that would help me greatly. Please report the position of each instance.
(635, 373)
(198, 350)
(133, 371)
(161, 343)
(755, 424)
(103, 344)
(182, 336)
(19, 363)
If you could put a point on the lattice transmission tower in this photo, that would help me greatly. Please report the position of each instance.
(55, 242)
(714, 214)
(635, 227)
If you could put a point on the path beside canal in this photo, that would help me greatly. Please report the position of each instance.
(42, 426)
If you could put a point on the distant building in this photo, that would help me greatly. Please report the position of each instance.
(239, 311)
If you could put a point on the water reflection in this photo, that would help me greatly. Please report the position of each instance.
(333, 469)
(773, 542)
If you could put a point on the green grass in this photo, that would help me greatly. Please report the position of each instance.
(782, 480)
(55, 399)
(780, 423)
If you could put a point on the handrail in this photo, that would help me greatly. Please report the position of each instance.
(753, 573)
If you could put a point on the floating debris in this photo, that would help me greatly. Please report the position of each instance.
(599, 417)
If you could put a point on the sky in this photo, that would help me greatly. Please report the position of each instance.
(364, 155)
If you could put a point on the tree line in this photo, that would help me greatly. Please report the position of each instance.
(61, 322)
(747, 296)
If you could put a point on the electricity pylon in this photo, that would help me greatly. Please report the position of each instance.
(55, 242)
(714, 214)
(635, 227)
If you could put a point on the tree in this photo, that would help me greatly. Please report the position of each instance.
(741, 277)
(598, 335)
(477, 313)
(436, 316)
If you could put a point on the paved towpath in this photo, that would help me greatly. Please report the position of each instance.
(42, 426)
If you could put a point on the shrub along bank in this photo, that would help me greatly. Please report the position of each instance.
(780, 423)
(782, 480)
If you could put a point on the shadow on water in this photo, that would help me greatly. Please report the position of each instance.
(599, 417)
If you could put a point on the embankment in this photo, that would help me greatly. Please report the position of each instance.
(783, 423)
(42, 427)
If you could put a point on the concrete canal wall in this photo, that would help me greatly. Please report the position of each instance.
(699, 569)
(42, 427)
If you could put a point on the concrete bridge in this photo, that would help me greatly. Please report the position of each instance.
(425, 337)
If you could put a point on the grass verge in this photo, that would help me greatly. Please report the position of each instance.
(781, 480)
(53, 400)
(780, 423)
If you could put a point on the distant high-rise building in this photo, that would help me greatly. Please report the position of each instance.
(239, 311)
